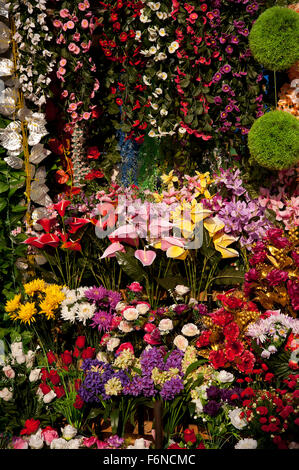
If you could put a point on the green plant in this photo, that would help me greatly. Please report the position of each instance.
(274, 140)
(274, 38)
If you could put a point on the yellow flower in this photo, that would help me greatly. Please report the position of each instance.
(13, 304)
(177, 252)
(222, 241)
(26, 312)
(169, 180)
(213, 225)
(34, 286)
(47, 308)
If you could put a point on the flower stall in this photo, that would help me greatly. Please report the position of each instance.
(149, 229)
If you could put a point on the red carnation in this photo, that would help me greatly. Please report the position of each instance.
(231, 331)
(45, 388)
(233, 350)
(66, 357)
(54, 377)
(88, 353)
(44, 374)
(78, 403)
(189, 436)
(60, 392)
(204, 339)
(31, 426)
(246, 363)
(80, 342)
(51, 357)
(217, 359)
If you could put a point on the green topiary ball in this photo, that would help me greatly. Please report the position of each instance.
(274, 38)
(273, 140)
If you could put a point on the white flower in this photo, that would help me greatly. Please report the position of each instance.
(272, 349)
(112, 344)
(224, 377)
(152, 133)
(198, 406)
(9, 372)
(265, 354)
(293, 445)
(182, 130)
(139, 444)
(68, 432)
(70, 297)
(163, 112)
(20, 358)
(75, 443)
(30, 356)
(181, 342)
(181, 290)
(152, 50)
(59, 444)
(165, 325)
(137, 35)
(236, 421)
(162, 32)
(120, 306)
(246, 444)
(69, 314)
(102, 357)
(190, 330)
(159, 91)
(6, 394)
(160, 15)
(130, 314)
(49, 397)
(146, 80)
(142, 309)
(125, 327)
(34, 375)
(16, 349)
(144, 19)
(85, 312)
(36, 441)
(161, 56)
(155, 106)
(162, 75)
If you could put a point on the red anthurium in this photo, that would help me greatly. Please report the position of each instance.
(72, 245)
(61, 176)
(93, 153)
(34, 241)
(61, 206)
(47, 224)
(77, 223)
(50, 239)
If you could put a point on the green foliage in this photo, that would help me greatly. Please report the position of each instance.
(274, 140)
(274, 38)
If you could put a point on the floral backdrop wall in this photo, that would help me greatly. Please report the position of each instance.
(149, 224)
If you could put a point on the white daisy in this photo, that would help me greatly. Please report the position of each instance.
(85, 312)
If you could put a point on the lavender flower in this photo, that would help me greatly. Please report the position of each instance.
(171, 388)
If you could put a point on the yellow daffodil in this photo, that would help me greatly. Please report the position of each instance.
(37, 285)
(13, 304)
(169, 179)
(222, 241)
(27, 312)
(213, 225)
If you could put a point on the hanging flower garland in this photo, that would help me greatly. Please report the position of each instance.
(36, 58)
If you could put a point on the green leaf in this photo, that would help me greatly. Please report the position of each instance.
(114, 420)
(130, 266)
(3, 187)
(194, 366)
(229, 276)
(3, 204)
(170, 282)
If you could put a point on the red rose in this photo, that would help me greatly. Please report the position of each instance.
(44, 375)
(88, 353)
(76, 353)
(286, 411)
(189, 436)
(66, 358)
(263, 420)
(51, 357)
(31, 426)
(269, 377)
(262, 410)
(80, 342)
(135, 287)
(124, 346)
(45, 388)
(93, 153)
(78, 403)
(54, 377)
(221, 317)
(60, 392)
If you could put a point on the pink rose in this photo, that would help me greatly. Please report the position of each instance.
(82, 7)
(135, 287)
(124, 346)
(70, 25)
(49, 434)
(57, 24)
(9, 372)
(62, 62)
(76, 37)
(19, 443)
(149, 327)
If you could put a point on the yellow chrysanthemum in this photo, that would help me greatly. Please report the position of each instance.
(38, 285)
(169, 180)
(13, 304)
(48, 308)
(26, 312)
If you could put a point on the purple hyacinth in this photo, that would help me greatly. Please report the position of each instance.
(152, 358)
(171, 388)
(174, 360)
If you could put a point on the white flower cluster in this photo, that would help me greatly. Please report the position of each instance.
(35, 60)
(161, 49)
(75, 306)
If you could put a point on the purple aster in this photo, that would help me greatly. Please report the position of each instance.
(179, 309)
(96, 293)
(113, 298)
(202, 309)
(171, 388)
(102, 320)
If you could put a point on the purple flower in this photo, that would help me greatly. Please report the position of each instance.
(226, 68)
(217, 100)
(115, 441)
(228, 108)
(213, 393)
(179, 309)
(212, 408)
(217, 77)
(234, 40)
(226, 88)
(229, 49)
(171, 388)
(102, 320)
(252, 275)
(96, 293)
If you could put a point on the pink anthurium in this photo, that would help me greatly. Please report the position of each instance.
(146, 257)
(112, 249)
(167, 242)
(125, 234)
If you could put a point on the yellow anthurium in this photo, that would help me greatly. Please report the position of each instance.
(169, 179)
(222, 241)
(213, 225)
(176, 252)
(185, 226)
(198, 212)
